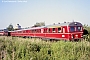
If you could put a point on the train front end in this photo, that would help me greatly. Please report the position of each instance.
(75, 31)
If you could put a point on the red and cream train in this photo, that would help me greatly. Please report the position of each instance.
(66, 31)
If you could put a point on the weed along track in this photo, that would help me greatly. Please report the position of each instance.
(16, 48)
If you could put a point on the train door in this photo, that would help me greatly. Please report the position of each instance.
(42, 30)
(63, 29)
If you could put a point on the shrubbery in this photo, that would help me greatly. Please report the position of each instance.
(14, 48)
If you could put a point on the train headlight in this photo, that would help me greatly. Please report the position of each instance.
(72, 36)
(81, 36)
(76, 35)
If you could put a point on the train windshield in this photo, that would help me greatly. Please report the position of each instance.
(72, 29)
(75, 28)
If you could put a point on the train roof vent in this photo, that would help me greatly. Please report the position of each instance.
(53, 23)
(75, 23)
(64, 22)
(58, 23)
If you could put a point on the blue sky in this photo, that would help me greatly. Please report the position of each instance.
(48, 11)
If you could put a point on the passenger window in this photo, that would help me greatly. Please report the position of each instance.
(39, 30)
(53, 30)
(32, 31)
(49, 30)
(59, 30)
(45, 30)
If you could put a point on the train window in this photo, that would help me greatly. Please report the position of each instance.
(78, 28)
(53, 30)
(37, 30)
(18, 31)
(26, 31)
(45, 31)
(59, 30)
(72, 29)
(23, 31)
(34, 31)
(49, 30)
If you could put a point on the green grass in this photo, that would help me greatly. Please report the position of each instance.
(15, 48)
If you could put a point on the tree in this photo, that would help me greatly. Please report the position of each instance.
(39, 24)
(86, 27)
(10, 27)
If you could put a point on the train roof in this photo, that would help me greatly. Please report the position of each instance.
(65, 24)
(54, 25)
(29, 28)
(3, 29)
